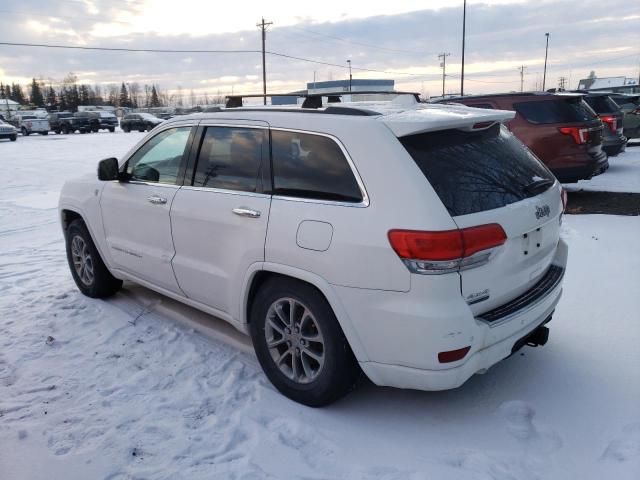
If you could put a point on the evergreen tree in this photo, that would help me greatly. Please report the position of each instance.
(85, 95)
(2, 94)
(154, 102)
(16, 94)
(36, 94)
(124, 96)
(52, 98)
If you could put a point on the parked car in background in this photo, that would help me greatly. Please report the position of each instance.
(139, 121)
(457, 261)
(28, 124)
(84, 122)
(561, 129)
(613, 141)
(8, 131)
(67, 122)
(630, 106)
(103, 121)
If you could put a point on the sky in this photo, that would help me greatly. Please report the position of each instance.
(397, 40)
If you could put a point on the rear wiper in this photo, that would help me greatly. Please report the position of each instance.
(538, 185)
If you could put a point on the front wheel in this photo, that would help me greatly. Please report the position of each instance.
(89, 272)
(112, 129)
(299, 343)
(13, 138)
(25, 132)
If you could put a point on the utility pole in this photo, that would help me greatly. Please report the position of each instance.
(561, 82)
(349, 62)
(443, 64)
(464, 27)
(263, 26)
(522, 67)
(546, 52)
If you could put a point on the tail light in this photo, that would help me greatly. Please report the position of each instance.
(580, 135)
(446, 251)
(611, 121)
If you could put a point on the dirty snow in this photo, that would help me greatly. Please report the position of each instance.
(143, 387)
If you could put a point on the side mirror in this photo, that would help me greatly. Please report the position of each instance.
(108, 169)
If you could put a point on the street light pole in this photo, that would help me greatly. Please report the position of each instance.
(349, 62)
(546, 52)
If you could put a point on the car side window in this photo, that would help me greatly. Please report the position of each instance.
(311, 166)
(159, 159)
(230, 158)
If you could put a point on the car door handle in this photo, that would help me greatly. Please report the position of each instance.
(157, 200)
(246, 212)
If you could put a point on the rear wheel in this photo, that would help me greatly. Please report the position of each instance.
(25, 132)
(300, 344)
(44, 133)
(89, 272)
(126, 129)
(112, 129)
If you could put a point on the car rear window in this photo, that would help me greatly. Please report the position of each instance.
(560, 110)
(477, 171)
(602, 104)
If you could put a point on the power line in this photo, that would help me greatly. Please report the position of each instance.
(123, 49)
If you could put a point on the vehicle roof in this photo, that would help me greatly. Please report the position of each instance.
(400, 119)
(537, 95)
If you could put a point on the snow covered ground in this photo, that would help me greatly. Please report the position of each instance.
(623, 174)
(142, 387)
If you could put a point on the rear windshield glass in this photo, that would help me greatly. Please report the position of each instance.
(562, 110)
(476, 171)
(602, 104)
(622, 100)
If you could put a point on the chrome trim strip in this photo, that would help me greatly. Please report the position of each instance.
(225, 191)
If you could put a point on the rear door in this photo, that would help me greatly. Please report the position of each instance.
(219, 219)
(485, 177)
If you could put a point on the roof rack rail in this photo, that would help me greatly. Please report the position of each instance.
(313, 100)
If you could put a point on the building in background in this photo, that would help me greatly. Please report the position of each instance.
(610, 84)
(8, 108)
(333, 86)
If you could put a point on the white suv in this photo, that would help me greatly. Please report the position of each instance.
(418, 244)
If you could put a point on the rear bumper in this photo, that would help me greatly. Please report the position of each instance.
(402, 333)
(582, 167)
(614, 145)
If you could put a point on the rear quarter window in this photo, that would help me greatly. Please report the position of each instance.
(311, 166)
(561, 110)
(477, 171)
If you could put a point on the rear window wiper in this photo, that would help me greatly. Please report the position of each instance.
(538, 185)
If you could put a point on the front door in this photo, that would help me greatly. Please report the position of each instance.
(220, 222)
(135, 213)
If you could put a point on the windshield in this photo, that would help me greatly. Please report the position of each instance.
(476, 171)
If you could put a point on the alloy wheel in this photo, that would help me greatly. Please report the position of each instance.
(294, 340)
(82, 261)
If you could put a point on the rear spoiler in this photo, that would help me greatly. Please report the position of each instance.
(433, 117)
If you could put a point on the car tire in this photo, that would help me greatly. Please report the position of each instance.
(89, 272)
(44, 133)
(112, 130)
(13, 138)
(126, 129)
(25, 132)
(57, 132)
(305, 356)
(66, 130)
(142, 130)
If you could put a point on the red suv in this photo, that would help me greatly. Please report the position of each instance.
(561, 129)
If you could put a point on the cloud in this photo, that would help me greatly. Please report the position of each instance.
(500, 38)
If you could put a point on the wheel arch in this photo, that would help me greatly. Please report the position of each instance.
(262, 272)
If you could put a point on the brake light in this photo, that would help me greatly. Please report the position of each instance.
(579, 135)
(611, 121)
(448, 250)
